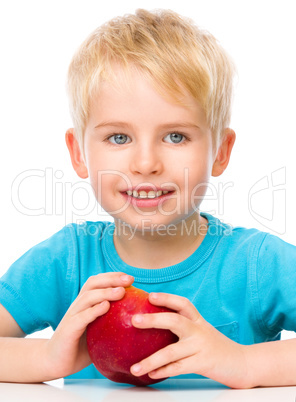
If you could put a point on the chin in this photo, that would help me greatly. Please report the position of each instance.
(151, 225)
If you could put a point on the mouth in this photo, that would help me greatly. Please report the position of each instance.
(146, 197)
(143, 194)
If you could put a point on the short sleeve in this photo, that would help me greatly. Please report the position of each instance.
(276, 285)
(35, 289)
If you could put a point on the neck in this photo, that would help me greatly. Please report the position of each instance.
(159, 248)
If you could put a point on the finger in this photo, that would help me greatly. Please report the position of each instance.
(177, 367)
(92, 297)
(109, 279)
(79, 322)
(159, 362)
(75, 325)
(177, 303)
(176, 323)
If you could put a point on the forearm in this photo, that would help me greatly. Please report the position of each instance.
(272, 363)
(24, 360)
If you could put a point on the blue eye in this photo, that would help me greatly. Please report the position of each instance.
(175, 138)
(119, 139)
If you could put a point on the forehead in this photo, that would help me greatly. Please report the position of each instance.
(137, 105)
(123, 87)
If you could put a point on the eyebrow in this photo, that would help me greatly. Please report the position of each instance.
(113, 124)
(124, 124)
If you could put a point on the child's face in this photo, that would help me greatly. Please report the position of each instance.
(136, 140)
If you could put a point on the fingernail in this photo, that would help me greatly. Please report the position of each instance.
(137, 318)
(104, 303)
(154, 296)
(116, 290)
(136, 368)
(125, 278)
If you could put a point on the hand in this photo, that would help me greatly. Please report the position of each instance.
(201, 348)
(67, 349)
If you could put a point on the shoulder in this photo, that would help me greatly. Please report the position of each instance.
(250, 246)
(89, 229)
(278, 257)
(233, 237)
(87, 233)
(262, 250)
(64, 246)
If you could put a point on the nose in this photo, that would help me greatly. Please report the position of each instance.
(146, 160)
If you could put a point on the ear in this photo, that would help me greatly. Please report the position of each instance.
(76, 154)
(224, 152)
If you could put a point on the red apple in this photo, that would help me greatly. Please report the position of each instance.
(114, 344)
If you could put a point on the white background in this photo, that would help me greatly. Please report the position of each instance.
(37, 41)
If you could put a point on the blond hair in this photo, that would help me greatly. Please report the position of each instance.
(171, 50)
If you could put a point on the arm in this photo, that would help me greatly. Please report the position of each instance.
(22, 360)
(38, 360)
(203, 350)
(272, 363)
(17, 353)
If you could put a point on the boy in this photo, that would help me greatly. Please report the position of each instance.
(150, 98)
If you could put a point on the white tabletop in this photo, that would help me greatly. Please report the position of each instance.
(166, 391)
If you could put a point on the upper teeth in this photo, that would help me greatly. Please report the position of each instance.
(145, 194)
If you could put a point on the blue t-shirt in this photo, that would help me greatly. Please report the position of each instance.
(242, 281)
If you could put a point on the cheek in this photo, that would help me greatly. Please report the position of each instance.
(103, 183)
(198, 178)
(198, 193)
(107, 185)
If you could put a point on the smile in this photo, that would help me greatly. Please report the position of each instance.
(146, 194)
